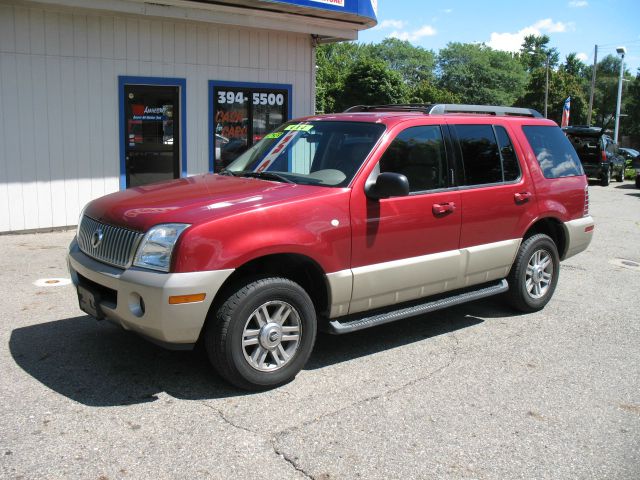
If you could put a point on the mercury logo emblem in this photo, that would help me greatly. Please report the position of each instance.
(96, 238)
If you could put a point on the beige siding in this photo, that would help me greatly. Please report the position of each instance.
(59, 137)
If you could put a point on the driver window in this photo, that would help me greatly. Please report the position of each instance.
(418, 153)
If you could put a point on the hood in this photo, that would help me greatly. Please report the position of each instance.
(192, 200)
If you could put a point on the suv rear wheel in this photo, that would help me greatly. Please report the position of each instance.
(606, 178)
(263, 333)
(534, 274)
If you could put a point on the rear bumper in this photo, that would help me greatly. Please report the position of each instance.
(596, 170)
(579, 233)
(173, 326)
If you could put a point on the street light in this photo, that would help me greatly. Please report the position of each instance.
(620, 51)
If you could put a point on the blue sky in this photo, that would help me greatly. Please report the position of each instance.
(573, 25)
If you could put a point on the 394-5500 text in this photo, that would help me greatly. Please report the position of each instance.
(258, 98)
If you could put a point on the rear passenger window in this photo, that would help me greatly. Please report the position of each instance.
(555, 154)
(488, 155)
(510, 166)
(418, 153)
(480, 155)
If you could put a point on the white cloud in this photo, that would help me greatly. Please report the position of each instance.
(392, 24)
(511, 42)
(578, 3)
(448, 10)
(583, 57)
(424, 31)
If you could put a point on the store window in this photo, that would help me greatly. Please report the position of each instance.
(241, 114)
(152, 136)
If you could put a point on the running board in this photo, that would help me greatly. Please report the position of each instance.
(337, 327)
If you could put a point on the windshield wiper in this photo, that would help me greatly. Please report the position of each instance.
(224, 171)
(266, 176)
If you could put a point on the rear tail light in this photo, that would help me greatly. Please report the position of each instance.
(604, 156)
(586, 201)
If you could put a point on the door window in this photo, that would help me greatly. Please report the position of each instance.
(488, 156)
(418, 153)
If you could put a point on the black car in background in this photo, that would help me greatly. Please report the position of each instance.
(598, 153)
(632, 158)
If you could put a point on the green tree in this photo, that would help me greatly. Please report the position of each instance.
(606, 91)
(334, 61)
(428, 92)
(574, 66)
(371, 82)
(630, 124)
(477, 74)
(534, 53)
(415, 64)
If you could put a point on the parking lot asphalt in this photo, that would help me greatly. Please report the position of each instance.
(475, 391)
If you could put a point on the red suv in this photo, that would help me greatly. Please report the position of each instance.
(339, 222)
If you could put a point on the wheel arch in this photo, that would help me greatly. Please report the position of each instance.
(298, 268)
(553, 228)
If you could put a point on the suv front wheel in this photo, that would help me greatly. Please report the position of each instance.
(534, 274)
(263, 333)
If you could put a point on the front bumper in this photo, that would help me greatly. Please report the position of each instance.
(120, 293)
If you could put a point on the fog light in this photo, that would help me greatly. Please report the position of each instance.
(136, 304)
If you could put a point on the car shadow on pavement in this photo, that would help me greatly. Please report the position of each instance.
(630, 186)
(99, 364)
(331, 349)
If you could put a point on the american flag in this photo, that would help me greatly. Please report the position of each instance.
(565, 112)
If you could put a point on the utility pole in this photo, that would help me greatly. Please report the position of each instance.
(620, 51)
(593, 84)
(546, 87)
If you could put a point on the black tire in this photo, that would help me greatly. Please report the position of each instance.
(620, 176)
(606, 178)
(637, 181)
(530, 289)
(236, 320)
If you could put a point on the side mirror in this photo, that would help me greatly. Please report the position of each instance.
(388, 184)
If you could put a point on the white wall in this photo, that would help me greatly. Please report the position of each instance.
(59, 131)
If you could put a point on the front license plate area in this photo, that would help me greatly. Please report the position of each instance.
(89, 302)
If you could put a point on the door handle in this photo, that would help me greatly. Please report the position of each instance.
(443, 208)
(522, 197)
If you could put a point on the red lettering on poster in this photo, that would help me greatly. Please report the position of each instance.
(229, 117)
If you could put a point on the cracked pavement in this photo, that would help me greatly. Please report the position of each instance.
(470, 392)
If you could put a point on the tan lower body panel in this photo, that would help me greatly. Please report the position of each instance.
(398, 281)
(579, 234)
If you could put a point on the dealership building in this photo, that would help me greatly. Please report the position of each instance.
(98, 96)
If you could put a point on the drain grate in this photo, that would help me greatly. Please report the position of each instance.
(52, 282)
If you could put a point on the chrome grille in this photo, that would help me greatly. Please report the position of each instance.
(106, 243)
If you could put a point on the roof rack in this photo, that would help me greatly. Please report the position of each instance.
(443, 108)
(393, 107)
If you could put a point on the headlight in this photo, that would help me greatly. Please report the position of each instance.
(157, 245)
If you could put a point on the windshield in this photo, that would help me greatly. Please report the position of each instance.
(313, 153)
